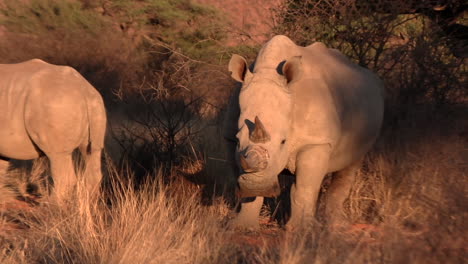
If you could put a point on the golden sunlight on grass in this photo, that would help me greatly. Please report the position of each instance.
(408, 204)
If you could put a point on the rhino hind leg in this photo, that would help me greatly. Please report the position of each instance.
(92, 173)
(338, 192)
(248, 215)
(63, 173)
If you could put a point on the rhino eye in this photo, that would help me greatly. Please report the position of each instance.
(283, 141)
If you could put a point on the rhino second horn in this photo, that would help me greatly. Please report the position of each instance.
(259, 134)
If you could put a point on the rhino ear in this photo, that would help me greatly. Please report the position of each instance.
(292, 69)
(238, 67)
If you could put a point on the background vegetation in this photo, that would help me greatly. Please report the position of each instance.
(161, 67)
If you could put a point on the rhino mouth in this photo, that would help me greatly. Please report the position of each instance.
(254, 185)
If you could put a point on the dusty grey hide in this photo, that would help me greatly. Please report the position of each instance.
(309, 110)
(51, 110)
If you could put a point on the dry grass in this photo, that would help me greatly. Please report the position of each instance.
(408, 206)
(148, 226)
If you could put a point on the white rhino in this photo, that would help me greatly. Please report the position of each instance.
(308, 110)
(51, 110)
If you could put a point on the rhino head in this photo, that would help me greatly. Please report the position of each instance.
(264, 124)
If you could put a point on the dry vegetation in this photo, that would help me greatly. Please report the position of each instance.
(412, 196)
(165, 198)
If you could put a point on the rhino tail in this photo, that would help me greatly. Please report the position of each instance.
(96, 122)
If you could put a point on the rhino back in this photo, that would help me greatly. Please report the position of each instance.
(26, 89)
(337, 102)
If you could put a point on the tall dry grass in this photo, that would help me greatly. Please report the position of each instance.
(151, 225)
(408, 206)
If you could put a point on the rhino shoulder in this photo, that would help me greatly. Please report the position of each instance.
(38, 69)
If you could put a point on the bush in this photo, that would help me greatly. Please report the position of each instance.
(164, 120)
(406, 50)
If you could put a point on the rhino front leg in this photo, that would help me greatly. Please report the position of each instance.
(248, 215)
(311, 168)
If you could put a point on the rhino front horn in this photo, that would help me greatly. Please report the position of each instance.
(259, 134)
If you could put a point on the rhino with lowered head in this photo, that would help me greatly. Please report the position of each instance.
(51, 110)
(308, 110)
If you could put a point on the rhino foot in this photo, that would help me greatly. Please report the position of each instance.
(248, 215)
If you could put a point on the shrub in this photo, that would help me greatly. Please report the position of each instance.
(406, 50)
(164, 119)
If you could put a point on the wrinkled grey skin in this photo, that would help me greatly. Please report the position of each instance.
(51, 110)
(305, 109)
